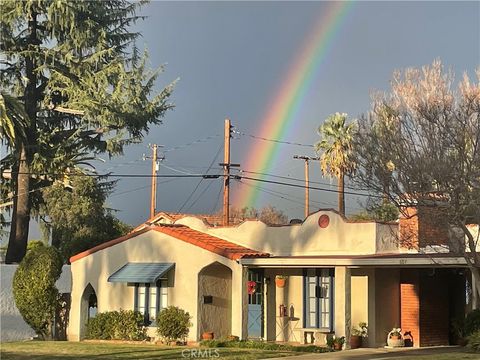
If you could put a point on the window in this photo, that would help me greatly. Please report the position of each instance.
(150, 299)
(318, 298)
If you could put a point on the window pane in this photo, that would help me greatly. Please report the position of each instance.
(152, 311)
(326, 320)
(312, 304)
(163, 295)
(313, 317)
(311, 289)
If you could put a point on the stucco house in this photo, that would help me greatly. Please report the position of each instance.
(338, 273)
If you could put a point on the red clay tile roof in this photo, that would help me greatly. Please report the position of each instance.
(208, 242)
(218, 246)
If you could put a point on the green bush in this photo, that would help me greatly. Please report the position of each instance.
(117, 325)
(472, 322)
(251, 344)
(34, 291)
(173, 324)
(474, 341)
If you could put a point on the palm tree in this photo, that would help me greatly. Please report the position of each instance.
(13, 124)
(336, 146)
(13, 120)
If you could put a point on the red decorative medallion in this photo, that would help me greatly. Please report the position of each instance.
(323, 221)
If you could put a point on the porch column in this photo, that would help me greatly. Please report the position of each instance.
(343, 303)
(474, 293)
(280, 327)
(244, 293)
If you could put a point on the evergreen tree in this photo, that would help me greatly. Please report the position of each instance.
(84, 87)
(78, 218)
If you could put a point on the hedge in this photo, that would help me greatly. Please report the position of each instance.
(117, 325)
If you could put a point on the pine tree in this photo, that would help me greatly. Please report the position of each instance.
(84, 87)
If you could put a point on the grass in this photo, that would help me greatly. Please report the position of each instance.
(455, 355)
(57, 350)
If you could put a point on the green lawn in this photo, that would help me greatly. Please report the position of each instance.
(56, 350)
(456, 355)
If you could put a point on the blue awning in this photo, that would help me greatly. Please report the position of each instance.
(141, 272)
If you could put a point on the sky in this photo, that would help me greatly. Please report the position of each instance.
(231, 60)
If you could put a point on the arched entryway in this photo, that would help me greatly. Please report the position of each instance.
(88, 308)
(215, 300)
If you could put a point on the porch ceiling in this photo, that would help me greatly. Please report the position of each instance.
(390, 260)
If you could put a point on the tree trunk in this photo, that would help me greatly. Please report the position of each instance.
(17, 242)
(341, 193)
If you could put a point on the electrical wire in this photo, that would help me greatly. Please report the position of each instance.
(205, 139)
(293, 179)
(212, 176)
(201, 179)
(282, 196)
(273, 140)
(309, 187)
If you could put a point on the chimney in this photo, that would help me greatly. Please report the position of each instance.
(424, 223)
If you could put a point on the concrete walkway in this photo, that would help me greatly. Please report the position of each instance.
(377, 354)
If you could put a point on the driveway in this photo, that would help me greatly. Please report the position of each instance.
(378, 354)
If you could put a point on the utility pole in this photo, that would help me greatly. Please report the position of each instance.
(307, 194)
(226, 172)
(155, 169)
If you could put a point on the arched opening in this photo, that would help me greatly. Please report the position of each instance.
(88, 308)
(215, 300)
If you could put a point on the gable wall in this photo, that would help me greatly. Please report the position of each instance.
(151, 246)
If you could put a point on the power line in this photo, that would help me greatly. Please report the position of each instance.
(274, 140)
(201, 179)
(293, 179)
(205, 139)
(282, 196)
(211, 176)
(310, 187)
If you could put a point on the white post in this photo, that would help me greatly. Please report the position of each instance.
(343, 303)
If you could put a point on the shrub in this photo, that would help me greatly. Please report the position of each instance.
(173, 324)
(251, 344)
(472, 322)
(117, 325)
(474, 341)
(34, 291)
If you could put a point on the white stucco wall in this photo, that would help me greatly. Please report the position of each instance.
(308, 238)
(12, 325)
(151, 246)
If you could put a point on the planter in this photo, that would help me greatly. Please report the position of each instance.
(337, 346)
(207, 335)
(280, 282)
(395, 342)
(355, 341)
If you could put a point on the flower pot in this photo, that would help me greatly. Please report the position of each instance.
(207, 335)
(395, 342)
(355, 341)
(337, 346)
(280, 282)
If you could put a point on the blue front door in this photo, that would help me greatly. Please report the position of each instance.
(255, 306)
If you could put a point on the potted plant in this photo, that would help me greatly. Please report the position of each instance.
(336, 343)
(280, 281)
(207, 335)
(395, 338)
(358, 333)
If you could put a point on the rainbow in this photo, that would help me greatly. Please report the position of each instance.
(282, 111)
